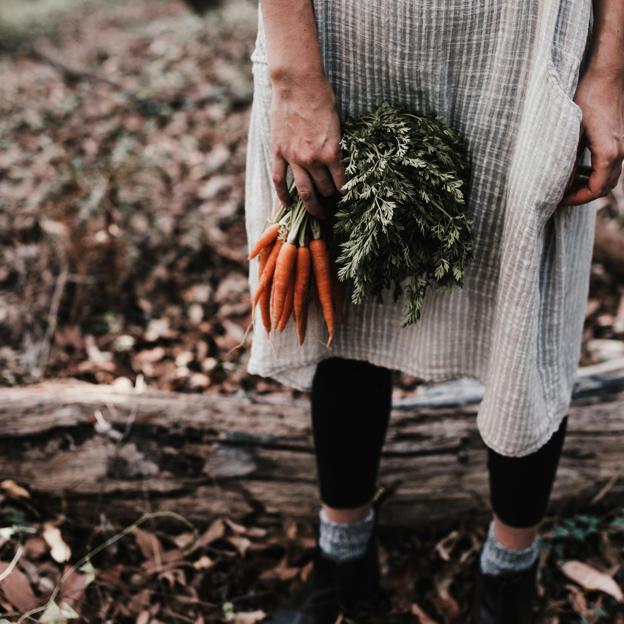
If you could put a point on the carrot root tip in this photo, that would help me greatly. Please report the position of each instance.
(242, 342)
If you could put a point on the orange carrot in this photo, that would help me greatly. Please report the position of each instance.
(322, 274)
(302, 281)
(267, 273)
(264, 297)
(266, 238)
(282, 277)
(302, 321)
(288, 305)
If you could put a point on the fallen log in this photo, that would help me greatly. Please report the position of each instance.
(93, 450)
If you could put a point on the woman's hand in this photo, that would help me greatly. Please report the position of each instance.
(305, 132)
(601, 98)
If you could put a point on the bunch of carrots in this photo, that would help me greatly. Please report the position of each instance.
(295, 261)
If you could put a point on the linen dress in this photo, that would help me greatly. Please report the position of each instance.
(503, 73)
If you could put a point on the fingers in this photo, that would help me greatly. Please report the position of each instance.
(315, 179)
(305, 189)
(310, 183)
(605, 174)
(572, 180)
(322, 180)
(279, 179)
(597, 184)
(616, 172)
(326, 169)
(337, 170)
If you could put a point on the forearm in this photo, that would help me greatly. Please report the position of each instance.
(293, 50)
(607, 53)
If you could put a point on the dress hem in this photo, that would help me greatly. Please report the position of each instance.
(280, 374)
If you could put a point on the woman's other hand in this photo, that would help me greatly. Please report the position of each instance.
(601, 98)
(305, 133)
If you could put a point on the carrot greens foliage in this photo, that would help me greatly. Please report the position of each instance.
(401, 223)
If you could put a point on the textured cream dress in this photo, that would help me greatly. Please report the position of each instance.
(503, 72)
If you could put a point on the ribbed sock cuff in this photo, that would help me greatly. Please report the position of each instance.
(343, 541)
(498, 559)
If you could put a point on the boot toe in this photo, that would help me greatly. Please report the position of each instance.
(334, 588)
(505, 599)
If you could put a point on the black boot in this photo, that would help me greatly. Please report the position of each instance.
(348, 587)
(506, 598)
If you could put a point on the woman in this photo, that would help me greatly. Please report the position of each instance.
(530, 85)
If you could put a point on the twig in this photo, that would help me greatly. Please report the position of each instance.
(608, 485)
(18, 555)
(59, 289)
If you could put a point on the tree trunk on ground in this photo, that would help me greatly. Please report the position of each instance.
(92, 450)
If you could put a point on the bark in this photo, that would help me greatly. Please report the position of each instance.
(90, 450)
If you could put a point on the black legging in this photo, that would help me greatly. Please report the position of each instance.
(350, 404)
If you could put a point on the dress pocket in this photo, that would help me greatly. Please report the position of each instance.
(561, 124)
(559, 117)
(555, 79)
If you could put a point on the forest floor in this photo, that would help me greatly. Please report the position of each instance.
(123, 260)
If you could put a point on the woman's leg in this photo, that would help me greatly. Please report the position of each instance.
(350, 403)
(519, 492)
(520, 489)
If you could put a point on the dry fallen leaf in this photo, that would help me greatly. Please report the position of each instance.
(292, 530)
(13, 489)
(73, 588)
(59, 550)
(215, 531)
(241, 543)
(281, 571)
(447, 602)
(578, 600)
(147, 542)
(236, 527)
(184, 540)
(592, 579)
(17, 590)
(54, 614)
(203, 563)
(256, 532)
(163, 561)
(249, 617)
(423, 618)
(445, 546)
(35, 547)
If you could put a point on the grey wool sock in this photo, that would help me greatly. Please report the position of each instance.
(498, 559)
(343, 541)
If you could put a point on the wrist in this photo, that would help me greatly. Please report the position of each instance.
(610, 73)
(287, 81)
(286, 75)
